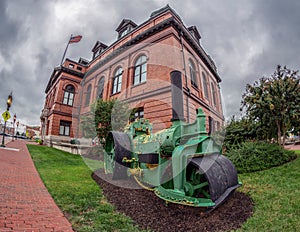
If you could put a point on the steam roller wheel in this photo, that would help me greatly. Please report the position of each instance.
(218, 172)
(119, 148)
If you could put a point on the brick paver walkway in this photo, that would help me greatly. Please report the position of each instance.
(25, 204)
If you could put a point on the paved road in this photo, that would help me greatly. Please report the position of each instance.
(25, 204)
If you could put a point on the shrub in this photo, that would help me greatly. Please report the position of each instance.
(257, 156)
(75, 141)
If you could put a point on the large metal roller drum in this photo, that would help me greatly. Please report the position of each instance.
(220, 174)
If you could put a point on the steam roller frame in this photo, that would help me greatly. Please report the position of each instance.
(218, 175)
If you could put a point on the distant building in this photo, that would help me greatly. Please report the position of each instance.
(33, 131)
(136, 68)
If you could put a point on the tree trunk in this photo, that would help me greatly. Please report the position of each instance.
(278, 133)
(284, 133)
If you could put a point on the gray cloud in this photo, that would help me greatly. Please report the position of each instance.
(246, 39)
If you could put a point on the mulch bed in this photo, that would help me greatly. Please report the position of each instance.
(151, 212)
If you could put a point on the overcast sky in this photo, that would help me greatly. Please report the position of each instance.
(245, 38)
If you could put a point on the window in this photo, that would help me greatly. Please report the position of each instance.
(214, 94)
(117, 81)
(124, 32)
(137, 113)
(193, 74)
(69, 95)
(205, 89)
(71, 65)
(100, 87)
(140, 70)
(88, 95)
(64, 128)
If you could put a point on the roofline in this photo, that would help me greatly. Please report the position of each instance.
(180, 28)
(61, 69)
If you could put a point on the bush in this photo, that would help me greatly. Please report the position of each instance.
(40, 141)
(75, 141)
(257, 156)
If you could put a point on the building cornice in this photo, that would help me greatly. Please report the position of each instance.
(153, 30)
(58, 71)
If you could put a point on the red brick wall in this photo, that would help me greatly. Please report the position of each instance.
(54, 101)
(165, 54)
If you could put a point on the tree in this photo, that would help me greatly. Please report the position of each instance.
(273, 102)
(104, 117)
(241, 130)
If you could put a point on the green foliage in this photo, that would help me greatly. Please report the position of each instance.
(238, 131)
(69, 181)
(104, 117)
(245, 129)
(102, 112)
(120, 115)
(257, 156)
(274, 102)
(87, 125)
(75, 141)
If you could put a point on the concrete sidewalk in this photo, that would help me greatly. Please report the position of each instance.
(25, 204)
(292, 147)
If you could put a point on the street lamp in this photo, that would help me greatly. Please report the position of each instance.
(15, 118)
(17, 130)
(8, 103)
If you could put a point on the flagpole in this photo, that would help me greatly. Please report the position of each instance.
(62, 60)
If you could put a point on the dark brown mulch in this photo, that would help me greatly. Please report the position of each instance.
(151, 212)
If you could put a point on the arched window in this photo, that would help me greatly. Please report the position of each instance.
(140, 70)
(205, 83)
(193, 74)
(117, 81)
(88, 95)
(69, 95)
(100, 87)
(214, 94)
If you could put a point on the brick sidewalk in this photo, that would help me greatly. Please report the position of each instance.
(25, 204)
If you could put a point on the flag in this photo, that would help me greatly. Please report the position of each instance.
(75, 39)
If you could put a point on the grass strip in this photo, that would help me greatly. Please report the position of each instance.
(276, 194)
(69, 181)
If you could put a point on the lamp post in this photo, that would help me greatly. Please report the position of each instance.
(9, 102)
(15, 118)
(17, 130)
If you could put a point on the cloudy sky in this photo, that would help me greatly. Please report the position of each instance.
(245, 38)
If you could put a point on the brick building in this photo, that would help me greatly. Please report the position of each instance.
(63, 87)
(136, 68)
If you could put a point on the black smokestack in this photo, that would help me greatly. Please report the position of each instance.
(177, 96)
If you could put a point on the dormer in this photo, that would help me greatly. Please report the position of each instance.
(195, 33)
(83, 61)
(125, 27)
(98, 48)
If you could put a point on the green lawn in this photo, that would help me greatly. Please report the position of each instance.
(69, 181)
(275, 192)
